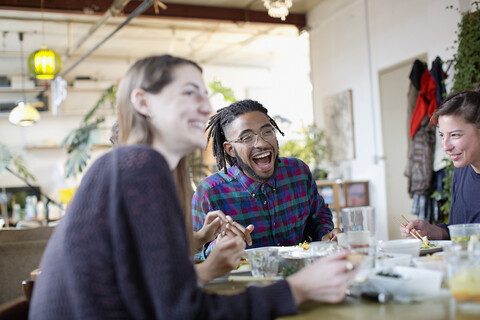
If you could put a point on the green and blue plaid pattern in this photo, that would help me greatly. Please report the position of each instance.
(285, 210)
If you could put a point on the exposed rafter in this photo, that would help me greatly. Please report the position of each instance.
(174, 10)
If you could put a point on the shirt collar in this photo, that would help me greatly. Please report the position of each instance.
(253, 187)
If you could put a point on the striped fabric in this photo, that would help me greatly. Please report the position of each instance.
(285, 210)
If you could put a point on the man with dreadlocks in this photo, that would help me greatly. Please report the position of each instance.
(276, 197)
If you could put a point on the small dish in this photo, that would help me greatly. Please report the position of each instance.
(406, 246)
(408, 282)
(390, 260)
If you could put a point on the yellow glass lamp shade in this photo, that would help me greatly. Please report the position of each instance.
(24, 115)
(44, 63)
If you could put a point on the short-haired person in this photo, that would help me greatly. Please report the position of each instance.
(459, 127)
(276, 195)
(122, 251)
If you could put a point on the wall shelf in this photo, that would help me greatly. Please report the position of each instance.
(342, 194)
(58, 147)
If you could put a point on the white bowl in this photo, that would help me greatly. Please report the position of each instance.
(390, 260)
(411, 282)
(432, 262)
(407, 246)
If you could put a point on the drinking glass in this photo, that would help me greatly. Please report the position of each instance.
(359, 228)
(263, 262)
(463, 273)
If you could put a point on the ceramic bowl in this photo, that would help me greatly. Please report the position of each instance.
(406, 246)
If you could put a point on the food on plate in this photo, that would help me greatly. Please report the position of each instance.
(243, 264)
(305, 245)
(388, 274)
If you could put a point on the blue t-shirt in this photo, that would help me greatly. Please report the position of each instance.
(465, 207)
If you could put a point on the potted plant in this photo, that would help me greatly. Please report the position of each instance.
(312, 149)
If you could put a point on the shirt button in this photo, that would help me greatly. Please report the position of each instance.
(253, 195)
(265, 202)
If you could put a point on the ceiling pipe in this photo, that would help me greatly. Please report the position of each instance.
(116, 7)
(142, 7)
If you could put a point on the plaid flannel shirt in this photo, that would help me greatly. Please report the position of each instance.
(285, 210)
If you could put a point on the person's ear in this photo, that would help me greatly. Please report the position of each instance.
(228, 147)
(139, 100)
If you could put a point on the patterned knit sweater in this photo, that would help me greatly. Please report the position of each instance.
(121, 252)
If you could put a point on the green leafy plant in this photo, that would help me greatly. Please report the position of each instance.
(312, 149)
(218, 88)
(14, 164)
(445, 197)
(466, 60)
(78, 142)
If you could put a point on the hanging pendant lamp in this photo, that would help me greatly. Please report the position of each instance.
(23, 114)
(44, 63)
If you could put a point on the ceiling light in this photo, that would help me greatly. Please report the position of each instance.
(278, 8)
(44, 63)
(23, 114)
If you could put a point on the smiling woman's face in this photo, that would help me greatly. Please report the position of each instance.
(180, 111)
(461, 141)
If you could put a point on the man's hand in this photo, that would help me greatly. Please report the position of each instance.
(239, 230)
(332, 235)
(216, 222)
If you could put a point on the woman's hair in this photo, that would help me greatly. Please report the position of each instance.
(152, 74)
(464, 103)
(219, 121)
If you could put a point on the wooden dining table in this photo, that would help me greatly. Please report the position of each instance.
(442, 307)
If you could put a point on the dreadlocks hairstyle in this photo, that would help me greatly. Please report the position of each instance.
(219, 121)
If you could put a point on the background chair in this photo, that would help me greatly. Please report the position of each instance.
(20, 253)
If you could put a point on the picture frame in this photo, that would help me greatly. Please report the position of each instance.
(339, 126)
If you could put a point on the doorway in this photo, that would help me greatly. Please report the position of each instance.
(393, 85)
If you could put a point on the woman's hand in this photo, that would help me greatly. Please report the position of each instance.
(325, 280)
(212, 226)
(224, 257)
(424, 229)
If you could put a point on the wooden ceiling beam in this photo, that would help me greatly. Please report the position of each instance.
(177, 11)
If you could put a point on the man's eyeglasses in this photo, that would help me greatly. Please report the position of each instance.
(251, 139)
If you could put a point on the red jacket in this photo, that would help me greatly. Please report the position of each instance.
(426, 102)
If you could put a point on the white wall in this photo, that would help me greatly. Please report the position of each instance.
(284, 88)
(351, 41)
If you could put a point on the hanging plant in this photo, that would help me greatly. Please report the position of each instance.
(466, 61)
(78, 141)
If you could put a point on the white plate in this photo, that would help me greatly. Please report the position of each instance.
(438, 246)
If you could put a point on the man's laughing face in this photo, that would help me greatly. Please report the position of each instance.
(258, 160)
